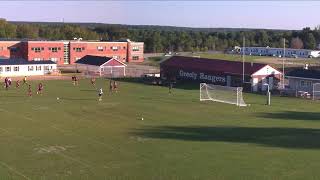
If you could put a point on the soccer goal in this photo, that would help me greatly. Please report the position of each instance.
(224, 94)
(316, 91)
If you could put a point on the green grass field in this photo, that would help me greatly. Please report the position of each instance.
(154, 61)
(229, 57)
(78, 137)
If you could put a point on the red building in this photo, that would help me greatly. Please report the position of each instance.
(43, 50)
(10, 49)
(220, 72)
(67, 52)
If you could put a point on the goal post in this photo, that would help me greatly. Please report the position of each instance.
(223, 94)
(316, 91)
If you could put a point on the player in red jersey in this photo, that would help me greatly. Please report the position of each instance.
(115, 86)
(93, 81)
(40, 88)
(29, 91)
(17, 84)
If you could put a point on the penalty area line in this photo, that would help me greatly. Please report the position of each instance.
(14, 170)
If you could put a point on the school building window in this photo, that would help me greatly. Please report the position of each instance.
(135, 48)
(8, 69)
(13, 49)
(135, 57)
(114, 48)
(37, 49)
(305, 83)
(16, 68)
(78, 49)
(46, 68)
(99, 48)
(1, 69)
(30, 68)
(38, 68)
(53, 49)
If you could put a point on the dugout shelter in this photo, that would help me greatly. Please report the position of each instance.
(101, 66)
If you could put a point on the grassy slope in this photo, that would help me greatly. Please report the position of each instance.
(154, 61)
(277, 62)
(179, 138)
(230, 57)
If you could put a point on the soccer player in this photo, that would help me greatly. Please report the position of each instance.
(73, 80)
(76, 80)
(6, 83)
(29, 91)
(100, 94)
(110, 86)
(17, 84)
(40, 88)
(9, 81)
(25, 80)
(93, 81)
(115, 86)
(170, 87)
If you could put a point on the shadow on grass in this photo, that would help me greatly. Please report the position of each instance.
(292, 115)
(299, 138)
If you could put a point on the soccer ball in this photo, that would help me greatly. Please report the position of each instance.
(142, 119)
(58, 98)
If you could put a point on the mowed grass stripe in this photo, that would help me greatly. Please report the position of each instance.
(43, 121)
(179, 138)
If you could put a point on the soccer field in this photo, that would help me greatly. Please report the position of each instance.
(77, 137)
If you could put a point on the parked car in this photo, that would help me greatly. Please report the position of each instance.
(152, 78)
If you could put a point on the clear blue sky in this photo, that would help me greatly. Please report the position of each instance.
(236, 14)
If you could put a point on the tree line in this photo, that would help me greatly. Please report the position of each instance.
(162, 38)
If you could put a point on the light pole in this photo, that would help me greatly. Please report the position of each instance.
(243, 53)
(283, 58)
(268, 94)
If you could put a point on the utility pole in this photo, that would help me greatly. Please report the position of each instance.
(243, 53)
(283, 58)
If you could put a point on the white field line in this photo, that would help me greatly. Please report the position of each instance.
(94, 141)
(14, 170)
(9, 167)
(38, 144)
(75, 134)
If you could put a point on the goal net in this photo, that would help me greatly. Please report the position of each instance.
(224, 94)
(316, 91)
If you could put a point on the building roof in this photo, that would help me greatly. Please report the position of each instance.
(12, 61)
(99, 60)
(212, 65)
(304, 73)
(287, 49)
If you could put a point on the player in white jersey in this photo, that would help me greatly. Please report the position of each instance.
(100, 94)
